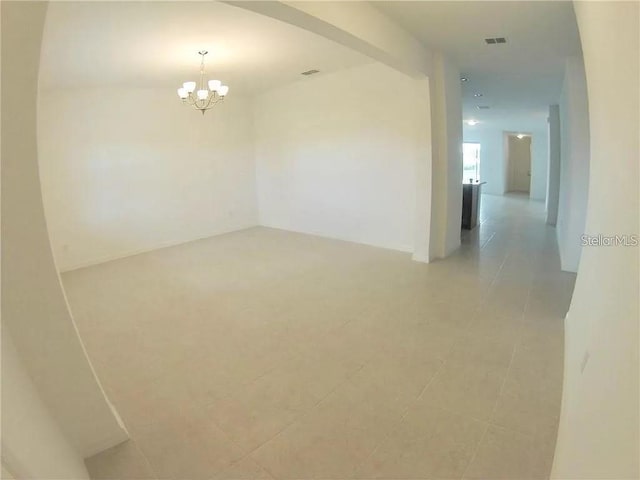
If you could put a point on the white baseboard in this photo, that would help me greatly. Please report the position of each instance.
(398, 248)
(158, 246)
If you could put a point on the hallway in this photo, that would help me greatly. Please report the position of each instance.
(269, 354)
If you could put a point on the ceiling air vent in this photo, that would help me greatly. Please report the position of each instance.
(483, 107)
(310, 72)
(493, 41)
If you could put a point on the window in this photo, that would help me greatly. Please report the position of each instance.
(470, 162)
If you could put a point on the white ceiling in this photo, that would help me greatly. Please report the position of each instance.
(155, 44)
(519, 79)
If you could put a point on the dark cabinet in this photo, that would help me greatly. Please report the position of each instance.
(470, 204)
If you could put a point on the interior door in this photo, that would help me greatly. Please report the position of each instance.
(519, 161)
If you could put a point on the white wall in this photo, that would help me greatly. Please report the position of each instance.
(553, 164)
(130, 170)
(539, 164)
(493, 161)
(598, 436)
(33, 446)
(423, 171)
(446, 185)
(34, 309)
(336, 155)
(453, 108)
(574, 164)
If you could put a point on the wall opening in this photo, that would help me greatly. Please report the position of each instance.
(470, 162)
(518, 162)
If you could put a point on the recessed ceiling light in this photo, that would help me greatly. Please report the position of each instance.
(464, 79)
(477, 95)
(520, 136)
(472, 122)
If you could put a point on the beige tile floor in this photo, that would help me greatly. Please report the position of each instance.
(266, 354)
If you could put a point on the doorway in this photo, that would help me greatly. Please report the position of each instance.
(518, 162)
(470, 162)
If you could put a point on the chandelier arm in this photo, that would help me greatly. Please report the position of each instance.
(190, 100)
(206, 106)
(212, 100)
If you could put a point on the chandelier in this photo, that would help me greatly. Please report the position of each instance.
(204, 98)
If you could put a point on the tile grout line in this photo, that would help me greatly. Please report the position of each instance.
(435, 375)
(446, 356)
(250, 452)
(139, 450)
(302, 416)
(489, 423)
(406, 412)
